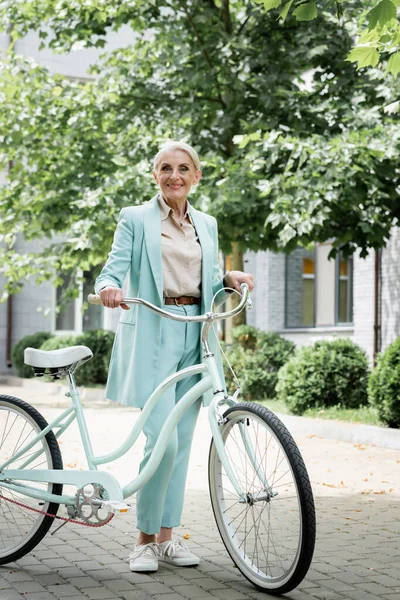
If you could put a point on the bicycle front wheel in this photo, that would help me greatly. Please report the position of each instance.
(270, 533)
(22, 527)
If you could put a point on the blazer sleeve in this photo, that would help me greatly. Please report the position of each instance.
(119, 259)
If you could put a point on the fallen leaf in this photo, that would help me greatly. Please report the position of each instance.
(186, 536)
(358, 510)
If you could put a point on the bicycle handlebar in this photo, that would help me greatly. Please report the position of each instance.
(209, 316)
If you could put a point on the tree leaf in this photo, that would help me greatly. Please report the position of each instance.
(382, 13)
(365, 56)
(284, 12)
(306, 12)
(393, 65)
(392, 108)
(268, 4)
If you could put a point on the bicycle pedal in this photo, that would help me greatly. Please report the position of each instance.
(116, 507)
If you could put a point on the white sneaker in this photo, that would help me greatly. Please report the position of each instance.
(177, 553)
(144, 558)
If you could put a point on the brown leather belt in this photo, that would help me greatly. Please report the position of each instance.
(182, 300)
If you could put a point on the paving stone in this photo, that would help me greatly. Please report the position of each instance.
(39, 596)
(4, 584)
(154, 587)
(118, 585)
(12, 576)
(191, 591)
(11, 595)
(28, 586)
(207, 583)
(372, 588)
(100, 593)
(64, 591)
(169, 597)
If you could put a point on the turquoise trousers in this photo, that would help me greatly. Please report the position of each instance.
(160, 502)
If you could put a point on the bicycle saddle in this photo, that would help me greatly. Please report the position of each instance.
(54, 360)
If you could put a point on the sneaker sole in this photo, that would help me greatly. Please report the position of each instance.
(143, 569)
(180, 562)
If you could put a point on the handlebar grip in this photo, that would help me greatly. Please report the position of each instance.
(94, 299)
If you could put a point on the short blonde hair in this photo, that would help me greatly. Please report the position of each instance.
(171, 145)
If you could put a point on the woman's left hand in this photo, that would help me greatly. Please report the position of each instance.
(233, 279)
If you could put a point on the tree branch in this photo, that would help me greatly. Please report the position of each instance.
(203, 49)
(226, 16)
(243, 25)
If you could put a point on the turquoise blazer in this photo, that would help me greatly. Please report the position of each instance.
(136, 252)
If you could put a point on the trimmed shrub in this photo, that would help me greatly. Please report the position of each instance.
(256, 357)
(384, 385)
(95, 370)
(330, 373)
(34, 340)
(59, 341)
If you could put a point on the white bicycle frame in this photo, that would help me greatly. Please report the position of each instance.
(15, 479)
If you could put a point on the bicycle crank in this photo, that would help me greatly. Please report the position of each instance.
(94, 506)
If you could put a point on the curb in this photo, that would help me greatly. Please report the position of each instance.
(353, 433)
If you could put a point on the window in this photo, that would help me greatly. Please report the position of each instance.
(318, 290)
(300, 288)
(344, 289)
(71, 318)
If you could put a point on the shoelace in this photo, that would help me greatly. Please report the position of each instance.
(175, 546)
(146, 550)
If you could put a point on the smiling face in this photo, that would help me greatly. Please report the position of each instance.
(175, 174)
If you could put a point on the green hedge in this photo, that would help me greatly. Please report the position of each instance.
(34, 340)
(95, 371)
(330, 373)
(384, 385)
(256, 357)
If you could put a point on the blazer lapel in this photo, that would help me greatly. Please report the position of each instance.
(152, 235)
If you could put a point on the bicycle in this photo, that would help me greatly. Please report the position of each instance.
(259, 487)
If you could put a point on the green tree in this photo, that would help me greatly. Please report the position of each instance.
(205, 72)
(378, 26)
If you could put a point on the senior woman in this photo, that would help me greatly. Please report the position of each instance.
(170, 252)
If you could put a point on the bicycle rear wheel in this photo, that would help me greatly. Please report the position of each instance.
(22, 528)
(270, 535)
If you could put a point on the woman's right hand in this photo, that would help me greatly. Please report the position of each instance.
(112, 297)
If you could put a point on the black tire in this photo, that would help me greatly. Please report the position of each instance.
(22, 529)
(277, 513)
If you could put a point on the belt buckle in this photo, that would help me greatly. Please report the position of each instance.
(177, 303)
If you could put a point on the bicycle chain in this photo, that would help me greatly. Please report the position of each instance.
(67, 519)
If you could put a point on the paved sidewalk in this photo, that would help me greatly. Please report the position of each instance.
(357, 493)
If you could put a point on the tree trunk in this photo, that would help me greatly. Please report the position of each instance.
(234, 262)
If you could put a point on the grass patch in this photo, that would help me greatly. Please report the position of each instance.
(365, 414)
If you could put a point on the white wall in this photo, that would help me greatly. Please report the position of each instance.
(77, 62)
(390, 292)
(364, 298)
